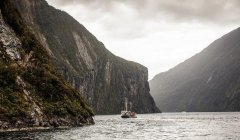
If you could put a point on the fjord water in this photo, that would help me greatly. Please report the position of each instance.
(194, 126)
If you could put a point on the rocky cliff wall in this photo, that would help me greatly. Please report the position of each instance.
(103, 78)
(32, 93)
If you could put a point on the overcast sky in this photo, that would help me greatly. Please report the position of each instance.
(156, 33)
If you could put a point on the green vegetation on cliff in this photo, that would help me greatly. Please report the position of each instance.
(30, 88)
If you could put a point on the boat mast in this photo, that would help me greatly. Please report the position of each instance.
(126, 106)
(130, 104)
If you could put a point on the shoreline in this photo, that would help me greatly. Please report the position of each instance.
(56, 123)
(32, 129)
(25, 129)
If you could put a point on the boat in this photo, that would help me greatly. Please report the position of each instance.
(127, 113)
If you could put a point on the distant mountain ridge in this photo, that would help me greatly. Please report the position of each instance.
(208, 81)
(103, 78)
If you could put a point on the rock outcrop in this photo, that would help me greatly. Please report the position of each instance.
(209, 81)
(103, 78)
(32, 93)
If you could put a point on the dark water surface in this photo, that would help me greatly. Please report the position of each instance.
(189, 126)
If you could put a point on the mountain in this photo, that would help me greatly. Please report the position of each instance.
(32, 92)
(103, 78)
(209, 81)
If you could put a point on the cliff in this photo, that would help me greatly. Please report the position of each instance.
(32, 92)
(103, 78)
(209, 81)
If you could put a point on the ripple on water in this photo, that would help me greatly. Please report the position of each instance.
(195, 126)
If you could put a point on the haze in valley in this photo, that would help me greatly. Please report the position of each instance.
(158, 34)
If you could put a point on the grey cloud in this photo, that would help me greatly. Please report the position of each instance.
(116, 17)
(216, 11)
(93, 4)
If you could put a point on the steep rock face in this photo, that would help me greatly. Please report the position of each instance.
(209, 81)
(32, 93)
(103, 78)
